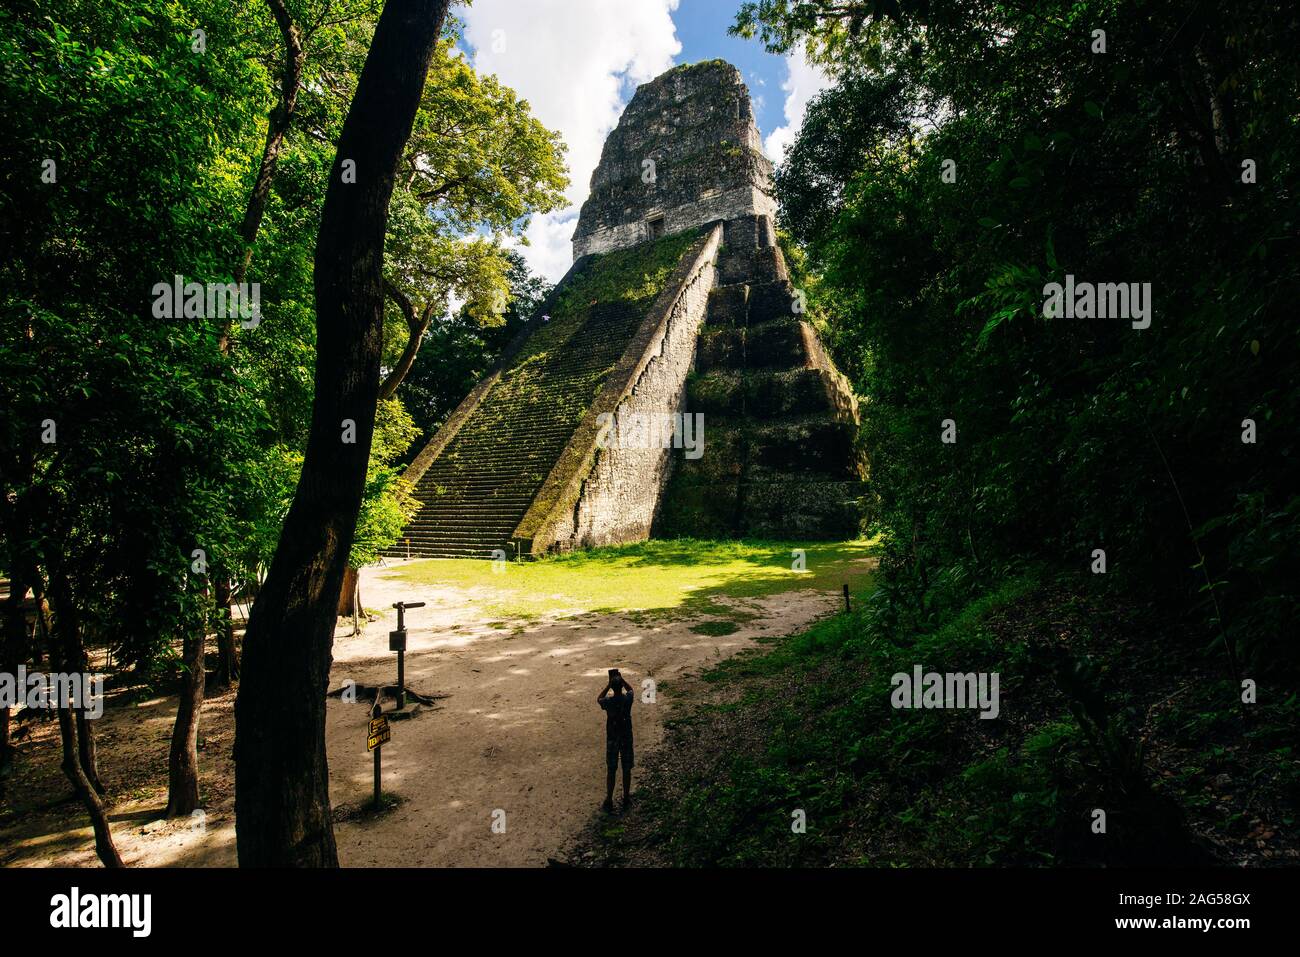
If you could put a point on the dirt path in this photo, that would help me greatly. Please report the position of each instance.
(518, 732)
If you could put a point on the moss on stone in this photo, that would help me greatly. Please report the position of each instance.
(635, 276)
(499, 460)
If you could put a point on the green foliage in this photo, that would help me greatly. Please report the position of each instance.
(1072, 434)
(388, 504)
(153, 435)
(832, 33)
(812, 727)
(478, 166)
(165, 444)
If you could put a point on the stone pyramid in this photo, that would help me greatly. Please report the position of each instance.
(678, 313)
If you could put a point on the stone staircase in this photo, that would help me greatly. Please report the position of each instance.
(779, 421)
(477, 491)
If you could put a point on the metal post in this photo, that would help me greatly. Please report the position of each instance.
(397, 643)
(401, 658)
(401, 680)
(847, 609)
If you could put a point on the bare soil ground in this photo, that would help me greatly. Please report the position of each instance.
(517, 732)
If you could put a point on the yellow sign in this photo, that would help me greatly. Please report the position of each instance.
(379, 733)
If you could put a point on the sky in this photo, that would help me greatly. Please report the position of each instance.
(577, 62)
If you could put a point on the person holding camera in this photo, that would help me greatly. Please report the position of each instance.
(616, 702)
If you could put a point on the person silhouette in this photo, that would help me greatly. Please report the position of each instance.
(616, 701)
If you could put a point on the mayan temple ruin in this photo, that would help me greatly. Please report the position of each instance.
(678, 302)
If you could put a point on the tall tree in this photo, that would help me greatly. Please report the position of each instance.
(477, 162)
(108, 452)
(282, 806)
(277, 126)
(296, 36)
(940, 194)
(67, 655)
(183, 757)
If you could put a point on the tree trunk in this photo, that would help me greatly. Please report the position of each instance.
(417, 325)
(88, 795)
(86, 749)
(38, 650)
(227, 657)
(295, 56)
(183, 761)
(282, 806)
(88, 791)
(68, 654)
(13, 639)
(350, 593)
(6, 749)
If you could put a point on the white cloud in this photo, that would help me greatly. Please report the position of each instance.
(803, 81)
(571, 60)
(550, 243)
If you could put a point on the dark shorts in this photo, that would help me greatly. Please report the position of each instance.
(619, 746)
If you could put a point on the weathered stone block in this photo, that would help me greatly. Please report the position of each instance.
(770, 300)
(686, 152)
(770, 345)
(698, 511)
(816, 444)
(735, 265)
(729, 306)
(795, 508)
(758, 393)
(753, 231)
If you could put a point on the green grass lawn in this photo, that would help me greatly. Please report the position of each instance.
(681, 576)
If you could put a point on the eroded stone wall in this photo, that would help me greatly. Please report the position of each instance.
(780, 460)
(686, 152)
(602, 491)
(541, 467)
(622, 491)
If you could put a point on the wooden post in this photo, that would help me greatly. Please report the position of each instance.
(847, 609)
(375, 712)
